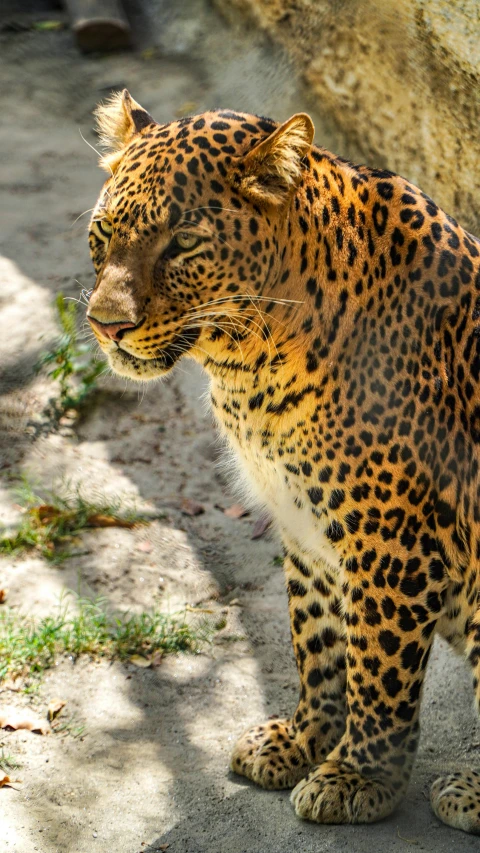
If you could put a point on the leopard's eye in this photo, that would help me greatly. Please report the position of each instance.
(99, 240)
(182, 242)
(102, 228)
(185, 240)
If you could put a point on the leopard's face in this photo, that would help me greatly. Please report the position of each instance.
(181, 251)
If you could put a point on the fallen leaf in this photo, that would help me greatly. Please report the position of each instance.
(145, 546)
(261, 526)
(14, 684)
(140, 661)
(9, 720)
(48, 25)
(191, 507)
(98, 520)
(235, 602)
(157, 658)
(3, 595)
(164, 846)
(54, 708)
(198, 609)
(236, 511)
(6, 782)
(46, 513)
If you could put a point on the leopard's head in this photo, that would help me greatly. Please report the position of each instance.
(187, 234)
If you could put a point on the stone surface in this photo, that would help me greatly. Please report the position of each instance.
(397, 84)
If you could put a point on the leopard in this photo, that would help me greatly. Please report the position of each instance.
(336, 311)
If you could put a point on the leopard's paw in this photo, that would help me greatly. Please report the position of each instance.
(269, 755)
(333, 793)
(456, 800)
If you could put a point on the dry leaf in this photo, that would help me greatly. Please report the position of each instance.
(98, 520)
(164, 846)
(191, 507)
(198, 609)
(10, 720)
(14, 684)
(3, 595)
(261, 526)
(138, 660)
(54, 708)
(236, 511)
(5, 782)
(157, 658)
(145, 546)
(47, 513)
(235, 602)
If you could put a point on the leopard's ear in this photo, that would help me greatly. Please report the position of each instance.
(119, 119)
(271, 170)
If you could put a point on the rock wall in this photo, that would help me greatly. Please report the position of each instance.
(397, 81)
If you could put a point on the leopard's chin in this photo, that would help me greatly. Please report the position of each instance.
(126, 364)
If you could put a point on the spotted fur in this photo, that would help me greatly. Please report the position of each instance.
(336, 309)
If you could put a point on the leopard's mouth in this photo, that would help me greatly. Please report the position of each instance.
(134, 366)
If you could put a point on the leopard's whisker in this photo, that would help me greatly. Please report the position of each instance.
(80, 216)
(266, 326)
(243, 315)
(238, 213)
(242, 296)
(262, 329)
(98, 153)
(221, 329)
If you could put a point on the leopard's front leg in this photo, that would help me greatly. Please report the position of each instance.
(392, 603)
(280, 752)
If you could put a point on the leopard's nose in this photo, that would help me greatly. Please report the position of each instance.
(114, 330)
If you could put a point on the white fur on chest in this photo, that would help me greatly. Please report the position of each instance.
(266, 483)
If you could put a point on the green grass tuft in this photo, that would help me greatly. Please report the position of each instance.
(29, 646)
(8, 762)
(70, 362)
(52, 520)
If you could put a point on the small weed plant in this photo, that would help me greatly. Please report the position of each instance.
(50, 522)
(70, 361)
(29, 646)
(8, 761)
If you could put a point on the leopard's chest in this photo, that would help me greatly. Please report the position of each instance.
(276, 483)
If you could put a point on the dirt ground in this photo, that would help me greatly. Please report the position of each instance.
(150, 771)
